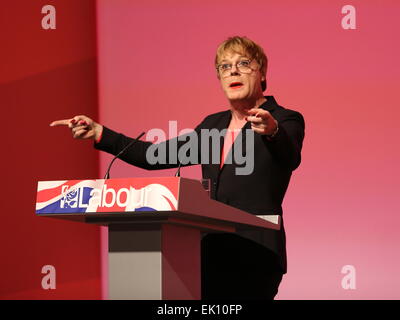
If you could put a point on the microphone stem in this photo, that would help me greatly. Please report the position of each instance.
(107, 175)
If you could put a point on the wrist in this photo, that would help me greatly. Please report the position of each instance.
(98, 132)
(274, 133)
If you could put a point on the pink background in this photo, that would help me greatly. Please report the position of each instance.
(156, 64)
(135, 65)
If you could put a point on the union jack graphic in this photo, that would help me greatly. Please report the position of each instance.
(113, 195)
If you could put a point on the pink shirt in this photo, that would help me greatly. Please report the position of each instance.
(228, 142)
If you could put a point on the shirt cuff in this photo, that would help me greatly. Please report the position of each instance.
(99, 138)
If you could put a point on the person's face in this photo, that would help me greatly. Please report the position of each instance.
(237, 84)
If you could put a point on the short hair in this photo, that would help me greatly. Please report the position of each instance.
(244, 45)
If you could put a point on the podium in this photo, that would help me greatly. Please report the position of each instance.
(155, 227)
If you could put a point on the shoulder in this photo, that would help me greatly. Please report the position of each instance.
(286, 112)
(288, 117)
(217, 115)
(283, 113)
(215, 118)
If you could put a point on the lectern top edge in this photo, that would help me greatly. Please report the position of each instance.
(136, 198)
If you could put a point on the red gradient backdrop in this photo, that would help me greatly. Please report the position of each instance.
(149, 62)
(46, 75)
(156, 65)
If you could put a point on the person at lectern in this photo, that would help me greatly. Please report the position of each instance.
(244, 265)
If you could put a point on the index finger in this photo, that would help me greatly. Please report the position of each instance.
(258, 112)
(65, 122)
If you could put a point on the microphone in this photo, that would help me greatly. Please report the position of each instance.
(178, 172)
(107, 175)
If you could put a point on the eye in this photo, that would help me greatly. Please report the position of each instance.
(225, 66)
(244, 63)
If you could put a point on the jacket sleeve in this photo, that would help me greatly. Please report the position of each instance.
(286, 146)
(151, 156)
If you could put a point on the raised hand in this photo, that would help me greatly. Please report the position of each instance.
(262, 121)
(82, 127)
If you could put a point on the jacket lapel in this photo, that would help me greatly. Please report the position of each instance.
(221, 125)
(268, 105)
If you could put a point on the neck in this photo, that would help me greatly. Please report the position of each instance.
(239, 107)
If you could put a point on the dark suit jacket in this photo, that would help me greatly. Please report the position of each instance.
(260, 192)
